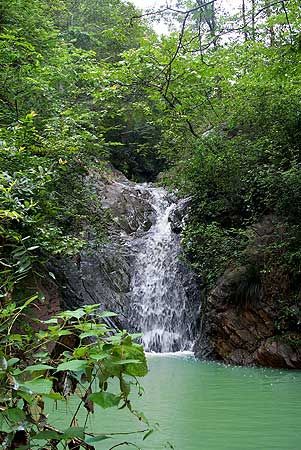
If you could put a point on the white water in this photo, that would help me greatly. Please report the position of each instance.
(160, 304)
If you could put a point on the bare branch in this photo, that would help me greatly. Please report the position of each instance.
(170, 9)
(225, 31)
(287, 20)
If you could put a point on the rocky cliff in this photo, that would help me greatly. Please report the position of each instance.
(102, 273)
(252, 316)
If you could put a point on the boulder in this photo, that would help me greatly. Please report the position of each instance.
(178, 215)
(279, 353)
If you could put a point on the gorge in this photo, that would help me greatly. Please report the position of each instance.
(150, 225)
(141, 274)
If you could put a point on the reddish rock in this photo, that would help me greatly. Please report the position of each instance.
(247, 320)
(278, 354)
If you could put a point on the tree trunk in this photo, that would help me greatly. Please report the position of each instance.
(253, 19)
(207, 14)
(270, 28)
(244, 20)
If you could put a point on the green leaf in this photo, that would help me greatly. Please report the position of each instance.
(107, 314)
(98, 356)
(29, 398)
(77, 314)
(74, 432)
(3, 363)
(89, 308)
(136, 352)
(104, 399)
(37, 368)
(127, 361)
(49, 321)
(47, 434)
(98, 438)
(5, 425)
(11, 362)
(63, 333)
(39, 385)
(15, 415)
(55, 396)
(75, 365)
(91, 334)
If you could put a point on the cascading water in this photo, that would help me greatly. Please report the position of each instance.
(160, 304)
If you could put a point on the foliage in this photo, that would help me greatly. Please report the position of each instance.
(225, 94)
(104, 27)
(74, 354)
(212, 248)
(53, 129)
(45, 205)
(243, 102)
(54, 132)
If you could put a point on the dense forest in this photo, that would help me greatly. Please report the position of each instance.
(210, 110)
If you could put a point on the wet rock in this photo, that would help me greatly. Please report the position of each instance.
(178, 215)
(129, 206)
(102, 272)
(99, 276)
(235, 332)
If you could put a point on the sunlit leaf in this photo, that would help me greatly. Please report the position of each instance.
(75, 365)
(104, 399)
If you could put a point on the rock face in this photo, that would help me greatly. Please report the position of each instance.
(99, 276)
(239, 320)
(278, 354)
(241, 317)
(129, 206)
(178, 215)
(245, 335)
(102, 272)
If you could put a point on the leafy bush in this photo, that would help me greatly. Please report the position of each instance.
(212, 248)
(74, 354)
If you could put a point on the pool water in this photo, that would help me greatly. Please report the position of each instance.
(207, 406)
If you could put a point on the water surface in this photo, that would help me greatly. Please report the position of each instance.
(209, 406)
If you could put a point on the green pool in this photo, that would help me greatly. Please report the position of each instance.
(209, 406)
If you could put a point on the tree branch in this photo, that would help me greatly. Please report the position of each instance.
(287, 20)
(170, 9)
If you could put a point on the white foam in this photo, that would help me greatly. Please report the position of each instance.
(183, 354)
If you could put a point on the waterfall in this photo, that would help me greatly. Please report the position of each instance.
(161, 283)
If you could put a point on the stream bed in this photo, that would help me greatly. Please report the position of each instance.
(207, 406)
